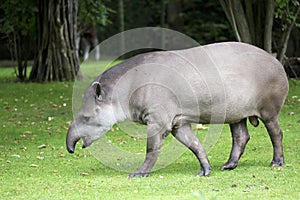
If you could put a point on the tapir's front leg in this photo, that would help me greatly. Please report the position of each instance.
(155, 138)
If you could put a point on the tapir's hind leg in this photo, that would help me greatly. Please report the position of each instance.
(187, 137)
(275, 133)
(240, 137)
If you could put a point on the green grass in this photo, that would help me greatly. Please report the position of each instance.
(37, 115)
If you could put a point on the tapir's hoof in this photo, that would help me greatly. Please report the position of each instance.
(277, 163)
(139, 174)
(229, 166)
(205, 171)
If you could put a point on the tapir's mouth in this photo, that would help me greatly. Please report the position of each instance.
(73, 137)
(84, 143)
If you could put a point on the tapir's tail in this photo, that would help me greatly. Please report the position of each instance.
(254, 121)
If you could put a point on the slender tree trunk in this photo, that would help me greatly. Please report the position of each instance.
(285, 38)
(227, 7)
(122, 25)
(241, 21)
(162, 21)
(20, 55)
(162, 13)
(236, 15)
(175, 21)
(56, 59)
(121, 15)
(270, 8)
(251, 21)
(250, 18)
(259, 24)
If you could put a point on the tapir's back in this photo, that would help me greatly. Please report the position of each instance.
(228, 58)
(233, 78)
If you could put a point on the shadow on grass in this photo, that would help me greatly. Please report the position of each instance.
(179, 168)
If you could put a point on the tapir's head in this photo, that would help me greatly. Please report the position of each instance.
(93, 120)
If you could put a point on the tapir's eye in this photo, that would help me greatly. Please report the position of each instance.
(85, 119)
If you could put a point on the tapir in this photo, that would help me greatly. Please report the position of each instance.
(221, 83)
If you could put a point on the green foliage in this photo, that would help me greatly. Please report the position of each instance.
(202, 20)
(17, 22)
(35, 165)
(286, 11)
(17, 16)
(93, 13)
(206, 22)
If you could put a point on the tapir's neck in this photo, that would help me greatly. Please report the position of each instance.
(119, 114)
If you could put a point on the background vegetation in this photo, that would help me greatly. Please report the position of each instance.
(33, 28)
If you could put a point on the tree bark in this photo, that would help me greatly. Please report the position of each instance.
(227, 7)
(122, 25)
(250, 18)
(175, 21)
(20, 54)
(241, 21)
(270, 8)
(56, 59)
(285, 38)
(236, 15)
(162, 21)
(251, 21)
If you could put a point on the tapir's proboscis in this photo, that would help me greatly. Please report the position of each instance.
(223, 83)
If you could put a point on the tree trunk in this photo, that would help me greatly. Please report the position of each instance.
(241, 21)
(270, 8)
(251, 21)
(122, 25)
(56, 59)
(20, 54)
(259, 23)
(227, 7)
(175, 21)
(163, 21)
(285, 38)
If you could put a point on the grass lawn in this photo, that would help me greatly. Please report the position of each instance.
(34, 163)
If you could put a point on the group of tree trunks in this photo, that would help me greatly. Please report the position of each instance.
(57, 55)
(252, 22)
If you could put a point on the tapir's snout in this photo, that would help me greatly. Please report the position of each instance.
(72, 139)
(70, 149)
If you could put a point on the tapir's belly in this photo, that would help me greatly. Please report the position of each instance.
(236, 102)
(220, 115)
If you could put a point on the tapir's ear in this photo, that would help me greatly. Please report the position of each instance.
(97, 89)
